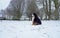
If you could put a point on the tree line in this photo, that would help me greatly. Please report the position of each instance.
(17, 8)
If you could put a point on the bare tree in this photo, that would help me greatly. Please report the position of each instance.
(56, 13)
(47, 8)
(49, 14)
(32, 8)
(16, 4)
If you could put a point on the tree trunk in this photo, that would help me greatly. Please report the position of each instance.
(56, 13)
(46, 9)
(49, 14)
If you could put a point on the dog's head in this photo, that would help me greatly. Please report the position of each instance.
(35, 15)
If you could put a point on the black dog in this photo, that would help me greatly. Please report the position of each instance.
(36, 20)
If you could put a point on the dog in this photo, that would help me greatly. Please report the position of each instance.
(35, 19)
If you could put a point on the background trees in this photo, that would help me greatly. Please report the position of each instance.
(32, 8)
(45, 9)
(48, 9)
(56, 13)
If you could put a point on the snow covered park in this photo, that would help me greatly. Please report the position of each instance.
(25, 29)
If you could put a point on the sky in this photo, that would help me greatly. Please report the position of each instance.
(4, 3)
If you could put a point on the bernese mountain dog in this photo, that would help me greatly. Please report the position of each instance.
(35, 19)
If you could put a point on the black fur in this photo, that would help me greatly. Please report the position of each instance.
(36, 19)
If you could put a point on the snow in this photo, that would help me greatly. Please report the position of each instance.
(25, 29)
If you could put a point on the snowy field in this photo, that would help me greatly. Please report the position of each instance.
(24, 29)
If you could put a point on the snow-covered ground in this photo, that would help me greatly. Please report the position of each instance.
(24, 29)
